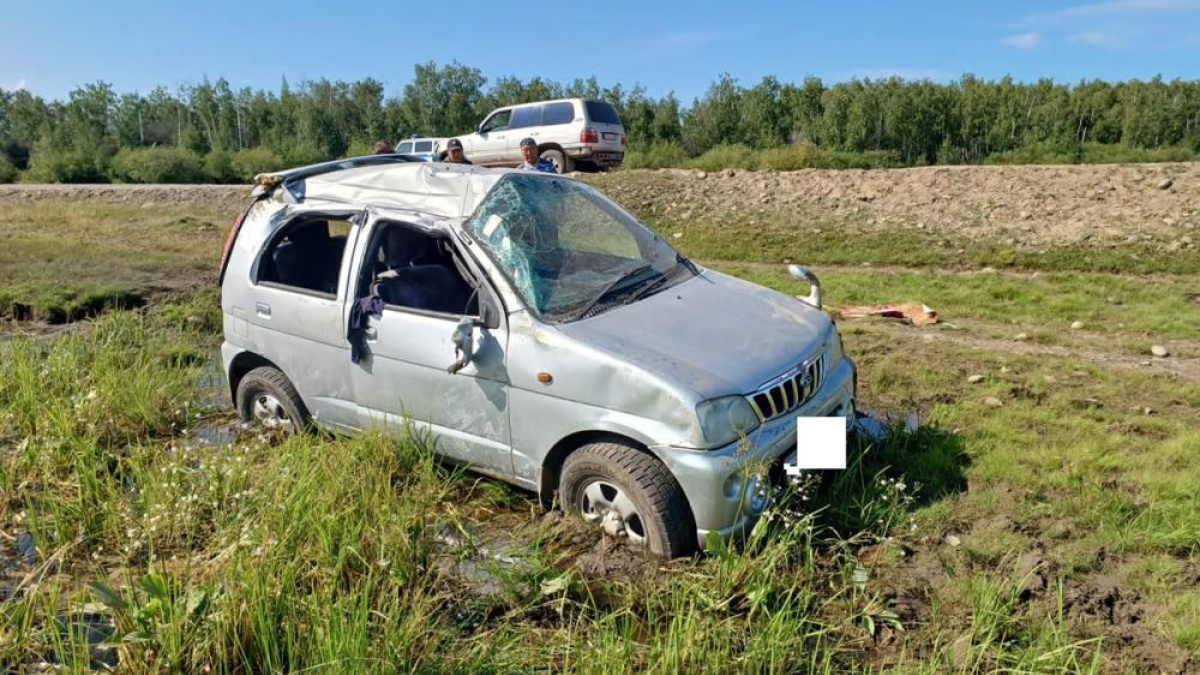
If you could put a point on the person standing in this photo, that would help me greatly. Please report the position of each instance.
(532, 161)
(383, 148)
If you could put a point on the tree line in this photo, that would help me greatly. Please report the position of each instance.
(210, 131)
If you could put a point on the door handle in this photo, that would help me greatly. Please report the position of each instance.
(262, 309)
(371, 333)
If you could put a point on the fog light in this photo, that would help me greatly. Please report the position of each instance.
(757, 497)
(733, 485)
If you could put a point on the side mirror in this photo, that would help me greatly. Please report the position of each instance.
(464, 344)
(804, 274)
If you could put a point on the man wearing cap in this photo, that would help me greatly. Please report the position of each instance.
(532, 161)
(454, 153)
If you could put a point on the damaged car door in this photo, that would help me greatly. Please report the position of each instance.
(434, 355)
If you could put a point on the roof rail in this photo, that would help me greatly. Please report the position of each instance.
(267, 181)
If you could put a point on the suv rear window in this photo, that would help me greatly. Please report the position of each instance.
(404, 147)
(529, 116)
(424, 146)
(558, 113)
(602, 113)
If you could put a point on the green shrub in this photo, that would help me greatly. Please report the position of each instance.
(218, 164)
(1108, 153)
(8, 172)
(303, 155)
(158, 165)
(247, 163)
(660, 155)
(66, 166)
(793, 157)
(867, 159)
(725, 157)
(360, 149)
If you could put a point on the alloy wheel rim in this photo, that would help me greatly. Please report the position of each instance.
(607, 505)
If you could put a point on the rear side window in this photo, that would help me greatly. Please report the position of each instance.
(404, 147)
(558, 113)
(530, 116)
(306, 255)
(602, 113)
(424, 146)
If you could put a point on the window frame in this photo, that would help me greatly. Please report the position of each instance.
(487, 128)
(294, 220)
(559, 104)
(486, 294)
(536, 110)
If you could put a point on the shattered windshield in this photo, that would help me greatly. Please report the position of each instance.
(569, 250)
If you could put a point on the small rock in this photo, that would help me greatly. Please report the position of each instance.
(1049, 379)
(1021, 336)
(993, 402)
(702, 175)
(959, 653)
(1165, 184)
(678, 235)
(1159, 351)
(1077, 325)
(975, 379)
(1005, 369)
(953, 540)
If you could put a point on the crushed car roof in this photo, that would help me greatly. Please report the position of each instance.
(442, 190)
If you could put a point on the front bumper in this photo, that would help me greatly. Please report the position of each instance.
(719, 484)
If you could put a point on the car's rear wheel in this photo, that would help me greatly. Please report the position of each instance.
(631, 495)
(267, 397)
(559, 159)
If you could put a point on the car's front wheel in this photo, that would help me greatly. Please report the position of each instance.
(266, 396)
(630, 495)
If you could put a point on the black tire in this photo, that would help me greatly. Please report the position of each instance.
(668, 529)
(269, 388)
(559, 159)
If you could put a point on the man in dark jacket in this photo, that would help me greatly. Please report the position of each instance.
(454, 153)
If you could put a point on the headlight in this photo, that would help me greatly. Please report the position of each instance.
(724, 420)
(836, 352)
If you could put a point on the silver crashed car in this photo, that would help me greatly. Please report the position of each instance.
(538, 331)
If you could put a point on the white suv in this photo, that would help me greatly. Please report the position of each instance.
(570, 133)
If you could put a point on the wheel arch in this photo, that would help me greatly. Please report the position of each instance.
(243, 363)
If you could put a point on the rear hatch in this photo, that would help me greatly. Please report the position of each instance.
(603, 118)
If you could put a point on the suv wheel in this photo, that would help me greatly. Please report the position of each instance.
(631, 495)
(559, 159)
(267, 396)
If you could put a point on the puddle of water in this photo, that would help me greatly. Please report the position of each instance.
(225, 433)
(91, 629)
(877, 426)
(475, 562)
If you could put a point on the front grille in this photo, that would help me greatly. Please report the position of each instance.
(791, 391)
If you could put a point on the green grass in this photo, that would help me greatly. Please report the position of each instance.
(64, 261)
(320, 554)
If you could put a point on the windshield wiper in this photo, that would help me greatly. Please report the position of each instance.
(620, 281)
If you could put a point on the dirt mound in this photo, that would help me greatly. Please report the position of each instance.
(1026, 205)
(228, 197)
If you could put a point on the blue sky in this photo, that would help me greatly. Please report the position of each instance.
(50, 46)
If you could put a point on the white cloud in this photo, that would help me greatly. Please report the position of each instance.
(1029, 40)
(1095, 38)
(1122, 7)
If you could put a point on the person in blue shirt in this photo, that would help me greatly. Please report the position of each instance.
(532, 161)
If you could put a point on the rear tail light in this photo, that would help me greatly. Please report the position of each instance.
(589, 136)
(233, 233)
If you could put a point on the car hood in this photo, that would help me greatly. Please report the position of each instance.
(712, 333)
